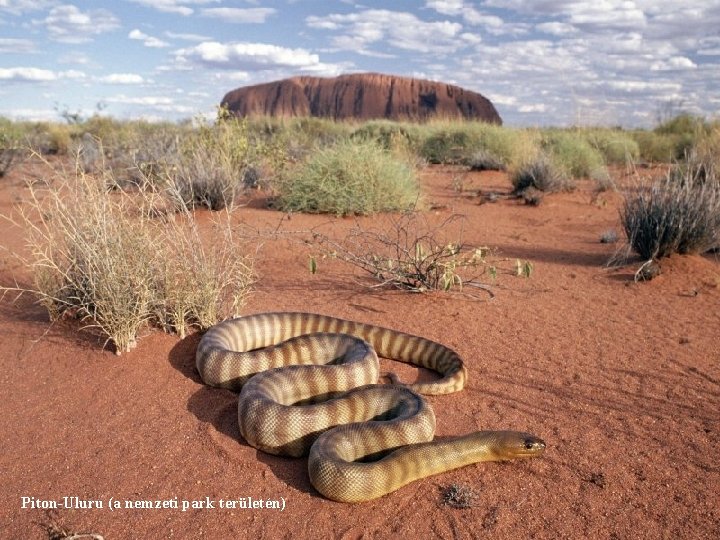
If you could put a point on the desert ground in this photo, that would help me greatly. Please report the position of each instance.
(621, 379)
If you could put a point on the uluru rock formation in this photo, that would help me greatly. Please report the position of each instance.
(362, 96)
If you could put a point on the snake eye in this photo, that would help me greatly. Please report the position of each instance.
(529, 444)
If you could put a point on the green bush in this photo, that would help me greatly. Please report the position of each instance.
(617, 147)
(573, 153)
(388, 134)
(459, 142)
(655, 147)
(350, 178)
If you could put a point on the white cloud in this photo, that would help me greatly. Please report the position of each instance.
(66, 23)
(37, 75)
(18, 7)
(143, 100)
(403, 30)
(32, 115)
(181, 7)
(16, 46)
(148, 41)
(556, 28)
(620, 14)
(187, 37)
(122, 78)
(246, 56)
(470, 14)
(27, 74)
(239, 15)
(675, 63)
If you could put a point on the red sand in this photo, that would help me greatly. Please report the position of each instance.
(622, 380)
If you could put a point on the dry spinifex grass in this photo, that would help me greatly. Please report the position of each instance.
(108, 257)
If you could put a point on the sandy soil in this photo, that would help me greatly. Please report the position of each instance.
(621, 379)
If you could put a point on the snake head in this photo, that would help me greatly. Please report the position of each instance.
(516, 444)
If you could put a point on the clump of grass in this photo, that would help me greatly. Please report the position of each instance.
(541, 174)
(673, 216)
(350, 178)
(484, 160)
(617, 147)
(12, 150)
(104, 256)
(210, 167)
(574, 154)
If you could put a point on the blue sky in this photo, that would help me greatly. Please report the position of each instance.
(541, 62)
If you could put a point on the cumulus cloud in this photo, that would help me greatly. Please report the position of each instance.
(471, 15)
(187, 36)
(18, 7)
(37, 75)
(17, 46)
(180, 7)
(66, 23)
(246, 56)
(148, 41)
(122, 78)
(27, 74)
(239, 15)
(360, 30)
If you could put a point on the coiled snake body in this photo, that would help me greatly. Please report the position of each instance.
(330, 369)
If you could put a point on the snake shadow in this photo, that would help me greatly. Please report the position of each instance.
(218, 408)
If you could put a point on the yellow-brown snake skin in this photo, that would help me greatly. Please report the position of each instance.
(329, 378)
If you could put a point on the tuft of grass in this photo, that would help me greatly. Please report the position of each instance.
(542, 174)
(673, 215)
(484, 160)
(350, 178)
(574, 154)
(106, 257)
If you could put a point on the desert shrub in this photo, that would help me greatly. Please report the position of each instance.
(209, 168)
(447, 144)
(617, 147)
(12, 145)
(458, 142)
(484, 160)
(386, 133)
(655, 147)
(102, 256)
(350, 178)
(54, 139)
(573, 153)
(408, 252)
(673, 216)
(540, 173)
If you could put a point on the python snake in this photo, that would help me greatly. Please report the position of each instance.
(330, 369)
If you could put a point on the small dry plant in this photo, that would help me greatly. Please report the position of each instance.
(459, 496)
(409, 253)
(109, 258)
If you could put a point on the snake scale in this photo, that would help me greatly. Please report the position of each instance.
(364, 439)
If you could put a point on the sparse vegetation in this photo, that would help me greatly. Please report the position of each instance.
(459, 496)
(573, 154)
(410, 253)
(350, 178)
(107, 257)
(673, 215)
(540, 174)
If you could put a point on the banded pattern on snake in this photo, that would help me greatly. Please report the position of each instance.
(383, 438)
